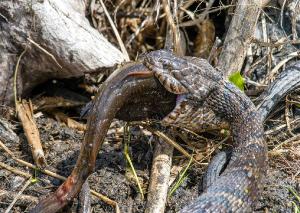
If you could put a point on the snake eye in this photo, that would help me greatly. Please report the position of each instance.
(166, 64)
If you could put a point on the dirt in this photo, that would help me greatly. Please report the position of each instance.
(62, 144)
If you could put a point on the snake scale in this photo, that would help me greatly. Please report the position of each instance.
(205, 100)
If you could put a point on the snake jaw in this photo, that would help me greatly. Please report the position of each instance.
(161, 64)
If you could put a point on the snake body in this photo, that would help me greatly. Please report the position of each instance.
(204, 101)
(203, 86)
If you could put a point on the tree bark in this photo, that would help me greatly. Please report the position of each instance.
(59, 40)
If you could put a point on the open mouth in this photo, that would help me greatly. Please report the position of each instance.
(152, 102)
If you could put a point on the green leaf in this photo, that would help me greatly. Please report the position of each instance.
(34, 180)
(237, 80)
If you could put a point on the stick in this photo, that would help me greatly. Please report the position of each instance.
(25, 114)
(159, 178)
(239, 35)
(69, 121)
(14, 170)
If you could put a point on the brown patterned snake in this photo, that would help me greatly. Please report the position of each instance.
(129, 96)
(203, 86)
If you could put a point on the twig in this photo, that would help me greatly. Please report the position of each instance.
(14, 170)
(92, 7)
(122, 46)
(266, 39)
(296, 137)
(282, 16)
(4, 17)
(174, 28)
(283, 62)
(52, 174)
(18, 195)
(209, 4)
(69, 121)
(199, 19)
(45, 51)
(278, 43)
(159, 178)
(279, 127)
(25, 114)
(50, 103)
(139, 29)
(24, 200)
(106, 200)
(120, 3)
(173, 143)
(16, 75)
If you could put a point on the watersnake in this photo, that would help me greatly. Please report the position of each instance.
(130, 97)
(203, 86)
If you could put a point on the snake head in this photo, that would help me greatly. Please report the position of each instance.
(164, 59)
(165, 66)
(183, 75)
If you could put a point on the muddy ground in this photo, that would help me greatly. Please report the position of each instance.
(62, 144)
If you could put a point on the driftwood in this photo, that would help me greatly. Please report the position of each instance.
(59, 43)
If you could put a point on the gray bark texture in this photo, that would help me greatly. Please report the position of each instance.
(239, 35)
(59, 43)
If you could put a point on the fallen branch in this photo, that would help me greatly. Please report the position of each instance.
(25, 114)
(62, 44)
(159, 178)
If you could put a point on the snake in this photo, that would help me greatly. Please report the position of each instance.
(203, 86)
(187, 91)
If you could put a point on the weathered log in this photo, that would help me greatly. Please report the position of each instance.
(59, 43)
